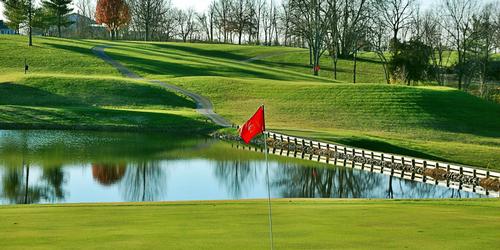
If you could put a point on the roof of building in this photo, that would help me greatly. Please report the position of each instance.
(3, 26)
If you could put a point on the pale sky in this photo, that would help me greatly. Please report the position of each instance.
(201, 5)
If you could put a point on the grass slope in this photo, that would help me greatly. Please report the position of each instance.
(438, 123)
(432, 122)
(298, 224)
(68, 87)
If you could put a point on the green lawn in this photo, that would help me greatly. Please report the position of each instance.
(68, 87)
(298, 224)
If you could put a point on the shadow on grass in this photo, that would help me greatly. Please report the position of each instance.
(460, 112)
(386, 147)
(94, 118)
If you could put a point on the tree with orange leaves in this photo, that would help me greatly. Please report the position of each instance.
(114, 14)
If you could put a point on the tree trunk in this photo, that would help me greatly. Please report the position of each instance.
(26, 184)
(355, 64)
(30, 28)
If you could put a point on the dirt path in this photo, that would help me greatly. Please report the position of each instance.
(203, 105)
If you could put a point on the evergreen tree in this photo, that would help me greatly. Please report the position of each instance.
(15, 12)
(59, 10)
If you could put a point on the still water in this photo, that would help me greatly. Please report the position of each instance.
(70, 167)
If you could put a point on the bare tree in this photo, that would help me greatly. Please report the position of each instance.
(395, 15)
(147, 15)
(310, 18)
(186, 23)
(458, 23)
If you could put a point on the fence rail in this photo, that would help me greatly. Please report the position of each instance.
(461, 177)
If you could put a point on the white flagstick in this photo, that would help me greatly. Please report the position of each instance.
(268, 191)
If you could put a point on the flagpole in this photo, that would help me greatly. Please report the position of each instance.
(268, 192)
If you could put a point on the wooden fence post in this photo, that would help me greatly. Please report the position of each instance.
(353, 162)
(335, 158)
(413, 169)
(392, 168)
(424, 178)
(447, 179)
(327, 153)
(371, 165)
(363, 163)
(345, 156)
(461, 173)
(436, 180)
(382, 166)
(403, 168)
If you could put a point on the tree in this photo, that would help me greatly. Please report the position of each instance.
(458, 24)
(411, 62)
(148, 14)
(310, 18)
(59, 10)
(185, 21)
(16, 13)
(20, 12)
(114, 14)
(395, 15)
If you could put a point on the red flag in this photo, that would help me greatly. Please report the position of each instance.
(254, 126)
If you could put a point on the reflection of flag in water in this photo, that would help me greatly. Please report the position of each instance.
(254, 126)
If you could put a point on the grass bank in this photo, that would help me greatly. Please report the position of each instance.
(68, 87)
(298, 224)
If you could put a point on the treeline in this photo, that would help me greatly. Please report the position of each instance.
(451, 37)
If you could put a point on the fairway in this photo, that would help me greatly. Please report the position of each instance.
(298, 224)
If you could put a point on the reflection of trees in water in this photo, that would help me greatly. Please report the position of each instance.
(144, 182)
(54, 178)
(108, 174)
(331, 182)
(16, 187)
(237, 176)
(418, 190)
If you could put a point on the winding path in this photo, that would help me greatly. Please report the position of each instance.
(203, 104)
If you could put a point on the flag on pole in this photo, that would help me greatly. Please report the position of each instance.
(254, 126)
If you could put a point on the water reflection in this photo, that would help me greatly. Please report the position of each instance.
(107, 174)
(52, 166)
(145, 181)
(311, 182)
(17, 187)
(236, 176)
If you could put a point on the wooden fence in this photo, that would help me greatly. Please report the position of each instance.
(466, 178)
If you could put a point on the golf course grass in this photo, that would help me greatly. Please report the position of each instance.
(297, 224)
(68, 87)
(431, 122)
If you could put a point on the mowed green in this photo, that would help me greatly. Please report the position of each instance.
(298, 224)
(68, 87)
(432, 122)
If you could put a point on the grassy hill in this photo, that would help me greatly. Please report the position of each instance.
(439, 123)
(68, 87)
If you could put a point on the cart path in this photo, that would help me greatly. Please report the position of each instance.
(203, 104)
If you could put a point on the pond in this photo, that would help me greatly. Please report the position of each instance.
(80, 166)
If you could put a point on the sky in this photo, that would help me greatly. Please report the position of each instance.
(201, 5)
